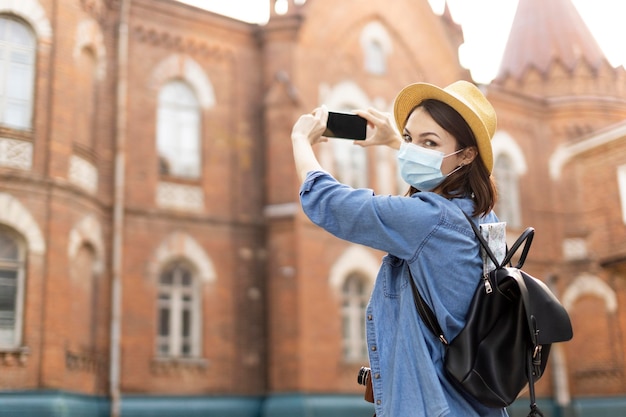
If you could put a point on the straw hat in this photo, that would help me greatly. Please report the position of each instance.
(462, 96)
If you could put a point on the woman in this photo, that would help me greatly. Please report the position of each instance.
(444, 153)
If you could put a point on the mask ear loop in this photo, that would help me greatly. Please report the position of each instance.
(458, 167)
(454, 170)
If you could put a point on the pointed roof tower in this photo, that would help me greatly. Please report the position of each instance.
(545, 32)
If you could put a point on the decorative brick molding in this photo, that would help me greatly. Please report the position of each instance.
(181, 66)
(353, 259)
(96, 8)
(16, 153)
(88, 230)
(180, 197)
(587, 284)
(575, 249)
(89, 35)
(83, 173)
(175, 367)
(14, 214)
(181, 245)
(33, 13)
(180, 44)
(90, 362)
(14, 357)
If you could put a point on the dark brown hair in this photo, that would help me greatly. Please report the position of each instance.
(472, 179)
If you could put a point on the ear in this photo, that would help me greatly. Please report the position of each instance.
(468, 155)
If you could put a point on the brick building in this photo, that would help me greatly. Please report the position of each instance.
(153, 256)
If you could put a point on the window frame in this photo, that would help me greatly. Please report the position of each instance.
(508, 180)
(375, 57)
(353, 310)
(19, 265)
(174, 116)
(175, 305)
(350, 163)
(30, 52)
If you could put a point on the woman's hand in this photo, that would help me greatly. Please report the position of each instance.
(308, 131)
(311, 126)
(384, 131)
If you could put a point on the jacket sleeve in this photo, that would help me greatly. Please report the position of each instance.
(397, 225)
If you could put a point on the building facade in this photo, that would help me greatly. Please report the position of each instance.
(153, 256)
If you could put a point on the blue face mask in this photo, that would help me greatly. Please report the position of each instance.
(421, 167)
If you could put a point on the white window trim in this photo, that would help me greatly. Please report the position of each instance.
(26, 103)
(19, 265)
(175, 305)
(375, 33)
(353, 306)
(177, 123)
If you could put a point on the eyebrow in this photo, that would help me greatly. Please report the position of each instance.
(422, 135)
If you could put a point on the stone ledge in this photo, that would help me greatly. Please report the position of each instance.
(178, 366)
(14, 357)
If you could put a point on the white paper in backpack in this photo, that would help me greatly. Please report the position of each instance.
(495, 235)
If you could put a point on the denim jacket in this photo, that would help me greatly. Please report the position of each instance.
(430, 235)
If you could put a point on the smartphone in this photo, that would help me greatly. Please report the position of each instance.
(345, 126)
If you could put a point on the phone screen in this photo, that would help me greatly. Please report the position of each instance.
(346, 126)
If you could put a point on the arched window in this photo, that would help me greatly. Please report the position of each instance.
(376, 45)
(593, 308)
(179, 313)
(17, 70)
(375, 58)
(12, 255)
(350, 163)
(507, 182)
(85, 305)
(178, 131)
(354, 301)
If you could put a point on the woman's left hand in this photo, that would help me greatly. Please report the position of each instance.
(311, 126)
(384, 131)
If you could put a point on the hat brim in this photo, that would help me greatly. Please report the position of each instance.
(414, 94)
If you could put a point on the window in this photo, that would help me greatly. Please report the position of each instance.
(355, 299)
(350, 163)
(11, 289)
(508, 205)
(17, 65)
(376, 46)
(178, 317)
(178, 131)
(375, 58)
(84, 302)
(350, 160)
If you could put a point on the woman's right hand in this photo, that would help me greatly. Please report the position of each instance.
(384, 131)
(311, 126)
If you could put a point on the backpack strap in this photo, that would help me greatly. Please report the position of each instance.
(425, 312)
(526, 238)
(534, 354)
(483, 242)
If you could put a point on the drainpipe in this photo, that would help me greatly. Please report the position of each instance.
(559, 366)
(118, 209)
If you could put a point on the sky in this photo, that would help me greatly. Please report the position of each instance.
(485, 33)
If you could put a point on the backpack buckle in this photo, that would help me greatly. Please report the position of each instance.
(488, 288)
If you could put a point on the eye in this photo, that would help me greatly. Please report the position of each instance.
(429, 143)
(407, 138)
